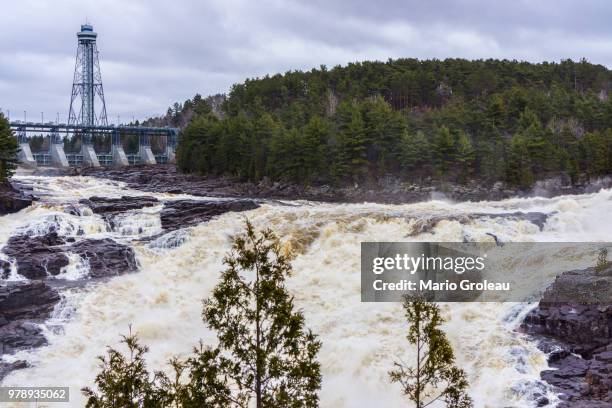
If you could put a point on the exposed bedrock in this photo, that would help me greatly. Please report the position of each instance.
(104, 205)
(13, 199)
(577, 334)
(106, 257)
(184, 213)
(23, 305)
(175, 214)
(5, 269)
(39, 257)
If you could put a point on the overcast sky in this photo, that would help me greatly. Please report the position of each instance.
(153, 52)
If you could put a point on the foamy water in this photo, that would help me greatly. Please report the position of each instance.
(162, 302)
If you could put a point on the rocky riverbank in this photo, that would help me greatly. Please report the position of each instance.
(13, 198)
(41, 259)
(573, 324)
(25, 305)
(166, 178)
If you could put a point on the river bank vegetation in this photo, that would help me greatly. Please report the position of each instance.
(8, 150)
(420, 121)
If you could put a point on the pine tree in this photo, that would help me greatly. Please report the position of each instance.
(414, 152)
(9, 148)
(124, 380)
(465, 156)
(435, 377)
(518, 164)
(383, 129)
(350, 148)
(444, 150)
(272, 357)
(313, 143)
(205, 385)
(286, 157)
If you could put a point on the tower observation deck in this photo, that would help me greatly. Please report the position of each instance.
(87, 82)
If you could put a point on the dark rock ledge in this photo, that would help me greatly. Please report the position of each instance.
(174, 215)
(13, 198)
(23, 306)
(184, 213)
(573, 323)
(39, 257)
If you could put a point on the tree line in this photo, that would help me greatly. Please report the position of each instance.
(265, 356)
(420, 121)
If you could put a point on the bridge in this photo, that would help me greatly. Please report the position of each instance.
(87, 156)
(87, 121)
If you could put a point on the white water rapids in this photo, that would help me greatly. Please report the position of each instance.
(162, 301)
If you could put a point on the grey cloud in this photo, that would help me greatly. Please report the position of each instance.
(156, 52)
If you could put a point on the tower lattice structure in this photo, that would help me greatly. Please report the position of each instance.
(87, 91)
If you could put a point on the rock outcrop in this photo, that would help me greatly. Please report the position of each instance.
(105, 257)
(184, 213)
(573, 322)
(40, 257)
(23, 305)
(104, 205)
(37, 256)
(12, 199)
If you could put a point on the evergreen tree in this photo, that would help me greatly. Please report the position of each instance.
(349, 150)
(596, 152)
(434, 377)
(532, 133)
(518, 164)
(444, 150)
(383, 129)
(9, 148)
(272, 357)
(124, 380)
(465, 156)
(315, 136)
(286, 158)
(205, 385)
(263, 129)
(414, 152)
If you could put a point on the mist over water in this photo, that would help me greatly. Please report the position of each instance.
(162, 301)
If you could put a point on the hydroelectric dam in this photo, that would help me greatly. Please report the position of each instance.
(87, 122)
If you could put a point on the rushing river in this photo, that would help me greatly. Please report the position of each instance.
(162, 301)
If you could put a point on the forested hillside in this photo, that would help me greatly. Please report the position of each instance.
(452, 120)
